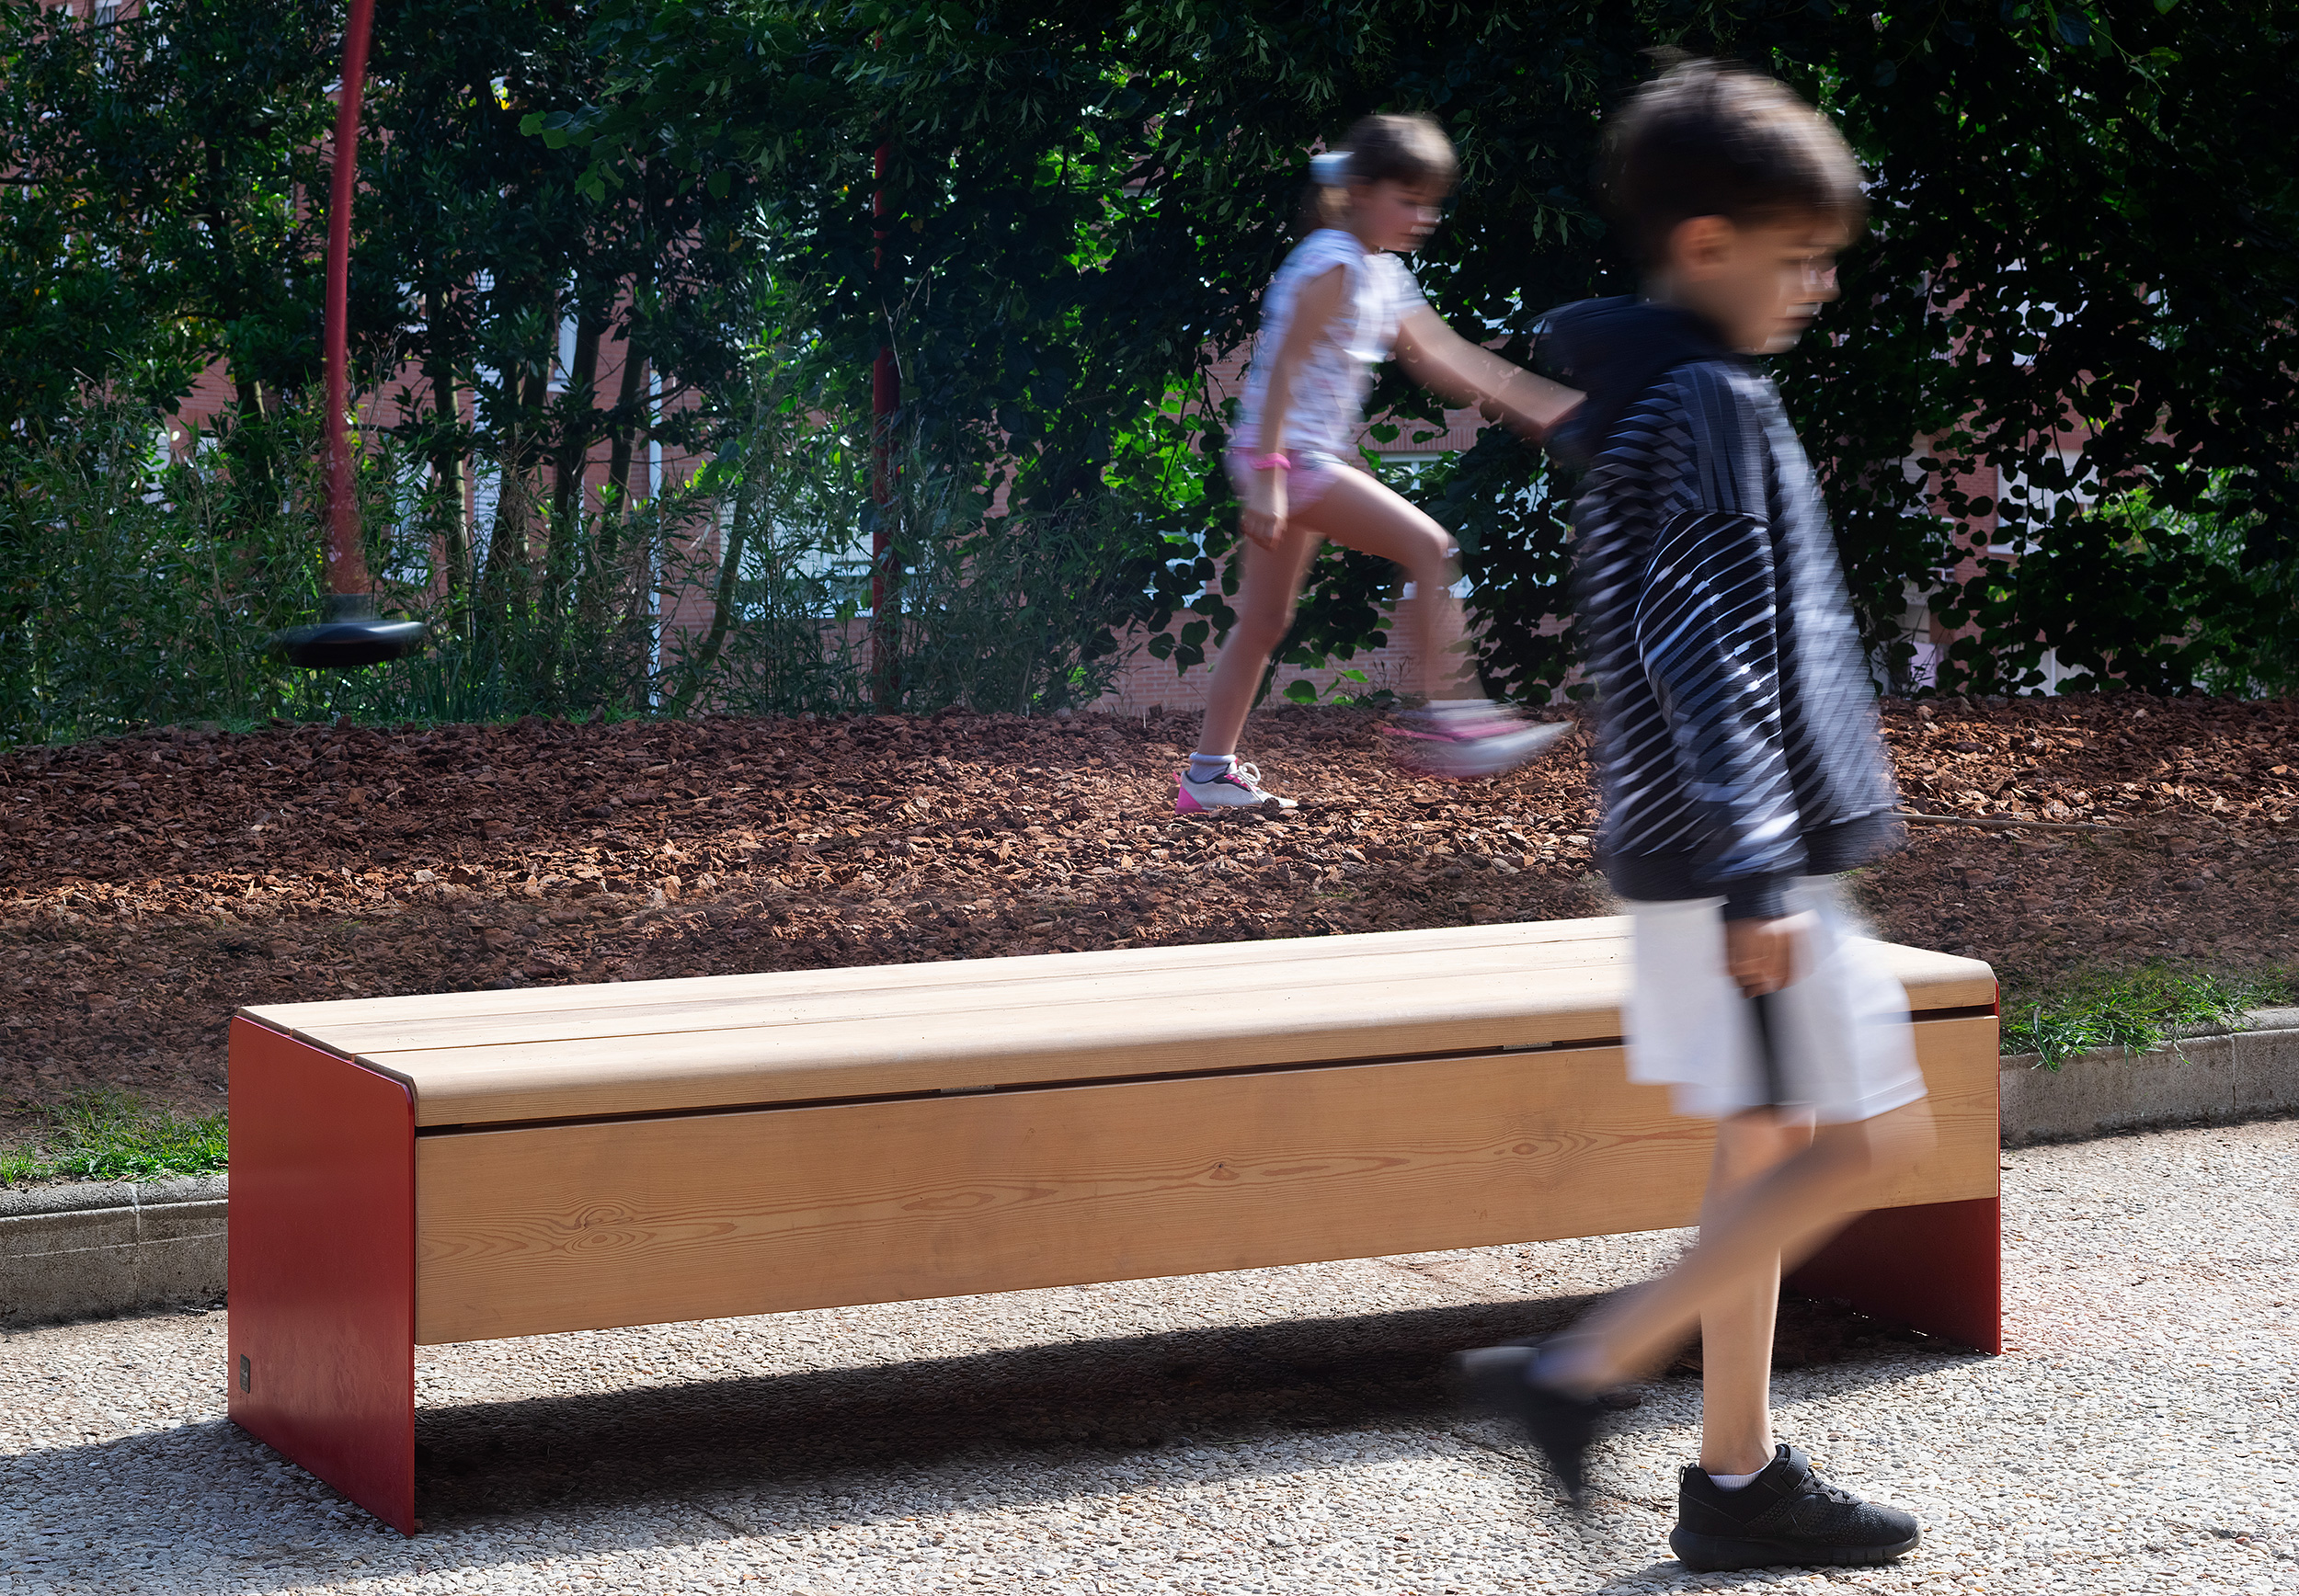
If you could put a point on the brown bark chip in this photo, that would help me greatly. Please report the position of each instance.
(149, 885)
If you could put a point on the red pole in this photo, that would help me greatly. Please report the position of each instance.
(346, 560)
(349, 634)
(886, 398)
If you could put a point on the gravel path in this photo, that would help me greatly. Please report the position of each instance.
(1275, 1431)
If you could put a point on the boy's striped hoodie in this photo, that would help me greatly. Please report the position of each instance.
(1738, 738)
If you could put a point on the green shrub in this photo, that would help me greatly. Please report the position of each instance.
(138, 592)
(2166, 586)
(135, 592)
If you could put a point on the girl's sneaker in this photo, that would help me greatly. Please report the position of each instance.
(1239, 787)
(1464, 742)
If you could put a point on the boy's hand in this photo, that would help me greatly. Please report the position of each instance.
(1765, 955)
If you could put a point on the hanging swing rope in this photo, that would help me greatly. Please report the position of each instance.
(350, 633)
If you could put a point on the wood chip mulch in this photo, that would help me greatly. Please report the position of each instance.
(149, 883)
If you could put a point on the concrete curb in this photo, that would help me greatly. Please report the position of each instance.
(2206, 1078)
(85, 1250)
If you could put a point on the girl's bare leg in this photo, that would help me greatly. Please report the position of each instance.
(1357, 512)
(1266, 594)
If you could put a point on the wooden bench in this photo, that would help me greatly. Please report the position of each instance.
(414, 1170)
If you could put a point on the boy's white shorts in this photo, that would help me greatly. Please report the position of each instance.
(1841, 1029)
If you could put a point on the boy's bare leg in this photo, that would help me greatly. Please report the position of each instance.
(1736, 1328)
(1773, 1223)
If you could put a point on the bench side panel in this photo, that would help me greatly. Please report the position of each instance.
(322, 1267)
(586, 1226)
(1936, 1266)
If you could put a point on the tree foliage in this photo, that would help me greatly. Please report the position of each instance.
(159, 167)
(2084, 240)
(1060, 216)
(2084, 275)
(497, 280)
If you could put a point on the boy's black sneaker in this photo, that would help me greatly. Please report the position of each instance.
(1786, 1516)
(1561, 1425)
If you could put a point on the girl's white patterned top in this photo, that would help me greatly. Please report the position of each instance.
(1325, 401)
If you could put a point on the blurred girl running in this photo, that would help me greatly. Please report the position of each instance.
(1342, 302)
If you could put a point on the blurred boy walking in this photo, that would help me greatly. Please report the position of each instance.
(1741, 772)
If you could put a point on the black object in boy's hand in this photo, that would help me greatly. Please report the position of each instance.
(1768, 1051)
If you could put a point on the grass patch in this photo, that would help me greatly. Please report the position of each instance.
(107, 1134)
(2142, 1010)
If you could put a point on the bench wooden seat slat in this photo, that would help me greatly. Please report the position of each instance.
(671, 1046)
(856, 981)
(782, 1022)
(1115, 1038)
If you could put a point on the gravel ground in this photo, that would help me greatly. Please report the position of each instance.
(1273, 1432)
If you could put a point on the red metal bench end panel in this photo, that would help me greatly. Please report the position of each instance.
(322, 1270)
(1936, 1267)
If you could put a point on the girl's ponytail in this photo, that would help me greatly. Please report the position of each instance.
(1322, 205)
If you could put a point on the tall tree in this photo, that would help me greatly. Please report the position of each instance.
(2084, 273)
(521, 280)
(179, 149)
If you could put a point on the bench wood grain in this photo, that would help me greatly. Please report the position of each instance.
(569, 1227)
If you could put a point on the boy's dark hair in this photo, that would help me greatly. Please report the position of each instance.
(1710, 139)
(1412, 150)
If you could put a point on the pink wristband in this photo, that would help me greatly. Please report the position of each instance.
(1273, 460)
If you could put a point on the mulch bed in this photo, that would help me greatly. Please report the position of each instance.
(149, 883)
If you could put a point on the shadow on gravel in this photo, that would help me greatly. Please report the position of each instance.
(201, 1505)
(1133, 1394)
